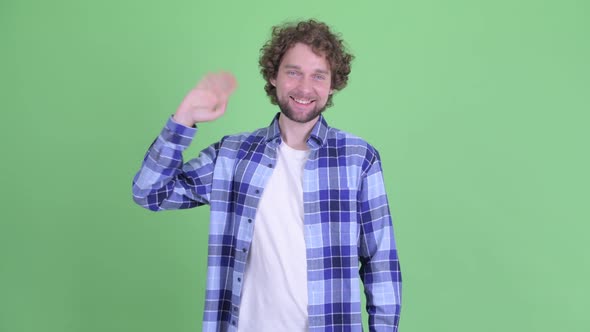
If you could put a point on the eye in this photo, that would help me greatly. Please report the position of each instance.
(319, 77)
(292, 73)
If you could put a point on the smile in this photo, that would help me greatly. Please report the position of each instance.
(303, 101)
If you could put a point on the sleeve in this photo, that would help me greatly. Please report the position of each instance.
(163, 182)
(380, 269)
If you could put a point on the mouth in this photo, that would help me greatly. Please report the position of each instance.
(302, 101)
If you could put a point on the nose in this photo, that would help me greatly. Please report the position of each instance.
(305, 84)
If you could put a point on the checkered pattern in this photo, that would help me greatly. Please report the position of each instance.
(347, 220)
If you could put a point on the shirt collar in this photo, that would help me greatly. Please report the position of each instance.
(316, 139)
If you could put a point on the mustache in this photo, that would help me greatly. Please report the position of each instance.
(303, 95)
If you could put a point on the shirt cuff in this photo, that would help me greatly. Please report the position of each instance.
(177, 133)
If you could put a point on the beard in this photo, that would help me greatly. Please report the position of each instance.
(300, 117)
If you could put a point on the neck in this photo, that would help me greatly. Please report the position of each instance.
(295, 134)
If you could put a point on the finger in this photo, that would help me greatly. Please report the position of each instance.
(206, 83)
(221, 108)
(229, 81)
(225, 84)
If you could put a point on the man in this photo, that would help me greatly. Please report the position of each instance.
(295, 207)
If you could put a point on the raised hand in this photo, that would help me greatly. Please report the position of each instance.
(208, 100)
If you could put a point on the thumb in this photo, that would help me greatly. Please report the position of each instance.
(221, 107)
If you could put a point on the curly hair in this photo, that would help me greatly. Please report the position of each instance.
(322, 41)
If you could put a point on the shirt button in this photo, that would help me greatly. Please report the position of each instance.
(257, 191)
(233, 322)
(269, 165)
(249, 221)
(239, 279)
(244, 250)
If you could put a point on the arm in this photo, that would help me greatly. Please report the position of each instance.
(380, 270)
(163, 182)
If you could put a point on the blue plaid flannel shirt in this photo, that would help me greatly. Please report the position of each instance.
(347, 222)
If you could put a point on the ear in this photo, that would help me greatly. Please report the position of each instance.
(331, 91)
(273, 81)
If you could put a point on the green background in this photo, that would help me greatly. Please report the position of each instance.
(479, 109)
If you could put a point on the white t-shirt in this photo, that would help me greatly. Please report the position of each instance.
(274, 293)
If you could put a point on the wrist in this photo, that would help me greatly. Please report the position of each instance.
(183, 120)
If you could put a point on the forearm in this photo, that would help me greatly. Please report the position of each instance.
(163, 182)
(382, 282)
(380, 269)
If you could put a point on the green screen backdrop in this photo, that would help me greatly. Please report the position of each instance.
(478, 108)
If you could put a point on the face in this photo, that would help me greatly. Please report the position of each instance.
(303, 83)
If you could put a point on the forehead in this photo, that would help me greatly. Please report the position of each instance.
(303, 57)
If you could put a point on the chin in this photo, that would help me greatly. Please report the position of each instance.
(300, 117)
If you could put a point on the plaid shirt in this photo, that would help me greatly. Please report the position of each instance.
(346, 220)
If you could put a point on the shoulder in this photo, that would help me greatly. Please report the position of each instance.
(251, 136)
(351, 144)
(235, 142)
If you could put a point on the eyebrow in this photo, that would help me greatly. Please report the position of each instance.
(320, 71)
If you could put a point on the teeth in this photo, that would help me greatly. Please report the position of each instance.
(302, 101)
